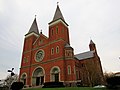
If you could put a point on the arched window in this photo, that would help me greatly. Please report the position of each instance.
(69, 69)
(24, 78)
(57, 49)
(52, 51)
(56, 29)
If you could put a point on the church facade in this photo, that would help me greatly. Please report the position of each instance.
(52, 59)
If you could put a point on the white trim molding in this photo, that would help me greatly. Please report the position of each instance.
(57, 21)
(28, 35)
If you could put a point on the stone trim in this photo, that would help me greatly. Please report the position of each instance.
(49, 61)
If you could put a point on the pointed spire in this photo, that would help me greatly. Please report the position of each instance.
(34, 27)
(92, 46)
(58, 14)
(91, 42)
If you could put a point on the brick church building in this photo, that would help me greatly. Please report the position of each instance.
(52, 59)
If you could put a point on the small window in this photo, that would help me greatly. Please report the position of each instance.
(68, 53)
(57, 30)
(52, 51)
(57, 49)
(77, 75)
(74, 70)
(25, 60)
(83, 65)
(69, 69)
(41, 41)
(52, 32)
(62, 30)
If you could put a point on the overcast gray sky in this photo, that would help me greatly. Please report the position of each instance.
(98, 20)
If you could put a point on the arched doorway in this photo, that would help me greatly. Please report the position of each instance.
(55, 74)
(23, 78)
(38, 77)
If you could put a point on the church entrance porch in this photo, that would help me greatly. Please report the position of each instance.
(55, 74)
(38, 77)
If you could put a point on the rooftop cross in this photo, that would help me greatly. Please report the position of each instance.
(41, 31)
(35, 16)
(57, 3)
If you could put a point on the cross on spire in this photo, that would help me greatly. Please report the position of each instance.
(41, 31)
(35, 16)
(57, 3)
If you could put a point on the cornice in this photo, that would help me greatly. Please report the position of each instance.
(28, 35)
(57, 21)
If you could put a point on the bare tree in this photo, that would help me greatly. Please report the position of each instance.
(107, 75)
(10, 79)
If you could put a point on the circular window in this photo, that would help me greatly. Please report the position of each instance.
(39, 55)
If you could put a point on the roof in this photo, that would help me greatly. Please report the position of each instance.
(58, 14)
(68, 46)
(117, 74)
(41, 35)
(34, 27)
(85, 55)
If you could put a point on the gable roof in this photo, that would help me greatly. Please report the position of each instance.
(40, 36)
(85, 55)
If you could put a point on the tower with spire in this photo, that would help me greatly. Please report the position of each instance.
(52, 59)
(58, 28)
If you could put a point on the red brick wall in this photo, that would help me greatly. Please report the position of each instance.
(32, 45)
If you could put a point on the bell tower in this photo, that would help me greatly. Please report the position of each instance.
(30, 38)
(92, 46)
(58, 28)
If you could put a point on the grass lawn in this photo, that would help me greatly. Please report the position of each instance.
(68, 88)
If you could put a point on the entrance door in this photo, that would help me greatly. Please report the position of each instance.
(37, 81)
(38, 77)
(57, 77)
(24, 81)
(42, 80)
